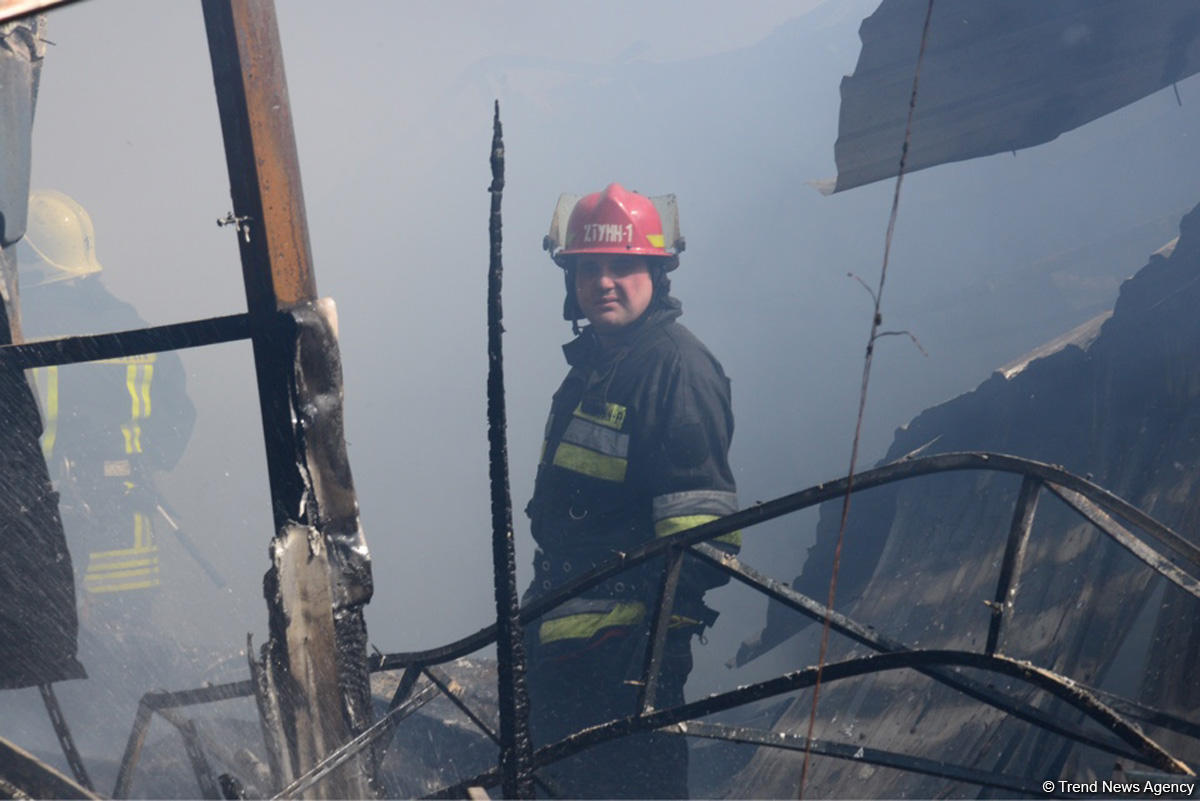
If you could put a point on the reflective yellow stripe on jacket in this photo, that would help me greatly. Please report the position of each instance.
(679, 511)
(125, 569)
(46, 380)
(583, 625)
(139, 373)
(594, 445)
(602, 614)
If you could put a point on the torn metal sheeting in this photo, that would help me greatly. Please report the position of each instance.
(999, 77)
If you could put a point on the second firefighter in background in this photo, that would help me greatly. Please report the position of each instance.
(109, 426)
(636, 447)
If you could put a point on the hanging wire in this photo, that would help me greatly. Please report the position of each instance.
(876, 322)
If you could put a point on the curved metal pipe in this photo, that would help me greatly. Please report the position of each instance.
(769, 510)
(1046, 680)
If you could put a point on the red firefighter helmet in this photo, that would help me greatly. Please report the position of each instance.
(616, 221)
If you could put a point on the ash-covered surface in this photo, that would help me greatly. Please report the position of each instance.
(433, 747)
(438, 745)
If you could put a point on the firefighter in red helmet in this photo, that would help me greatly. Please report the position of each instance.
(636, 447)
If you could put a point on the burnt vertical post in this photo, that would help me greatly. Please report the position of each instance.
(320, 578)
(1014, 560)
(515, 748)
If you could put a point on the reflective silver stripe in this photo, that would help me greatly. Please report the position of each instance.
(695, 502)
(580, 606)
(597, 438)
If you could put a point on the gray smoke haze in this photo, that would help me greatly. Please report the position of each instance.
(734, 109)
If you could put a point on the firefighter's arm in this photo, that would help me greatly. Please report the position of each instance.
(693, 483)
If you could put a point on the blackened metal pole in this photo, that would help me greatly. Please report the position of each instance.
(515, 751)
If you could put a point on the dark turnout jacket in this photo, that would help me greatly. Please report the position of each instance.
(636, 447)
(109, 426)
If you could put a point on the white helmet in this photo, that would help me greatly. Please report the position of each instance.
(60, 231)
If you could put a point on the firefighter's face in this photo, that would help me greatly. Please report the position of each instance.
(613, 290)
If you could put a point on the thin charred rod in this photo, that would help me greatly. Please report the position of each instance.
(207, 782)
(443, 684)
(133, 749)
(409, 680)
(63, 732)
(1126, 539)
(403, 690)
(515, 746)
(858, 753)
(1014, 559)
(659, 625)
(203, 695)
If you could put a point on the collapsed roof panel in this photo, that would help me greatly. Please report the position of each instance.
(1001, 76)
(921, 559)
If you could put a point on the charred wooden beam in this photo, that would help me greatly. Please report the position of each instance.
(321, 576)
(515, 745)
(154, 339)
(270, 717)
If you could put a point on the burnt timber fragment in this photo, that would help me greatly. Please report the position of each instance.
(321, 576)
(515, 745)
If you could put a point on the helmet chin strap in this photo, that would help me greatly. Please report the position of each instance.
(571, 310)
(662, 284)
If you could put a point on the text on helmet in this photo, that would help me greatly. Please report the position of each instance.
(600, 233)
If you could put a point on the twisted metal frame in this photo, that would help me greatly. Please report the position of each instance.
(1156, 545)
